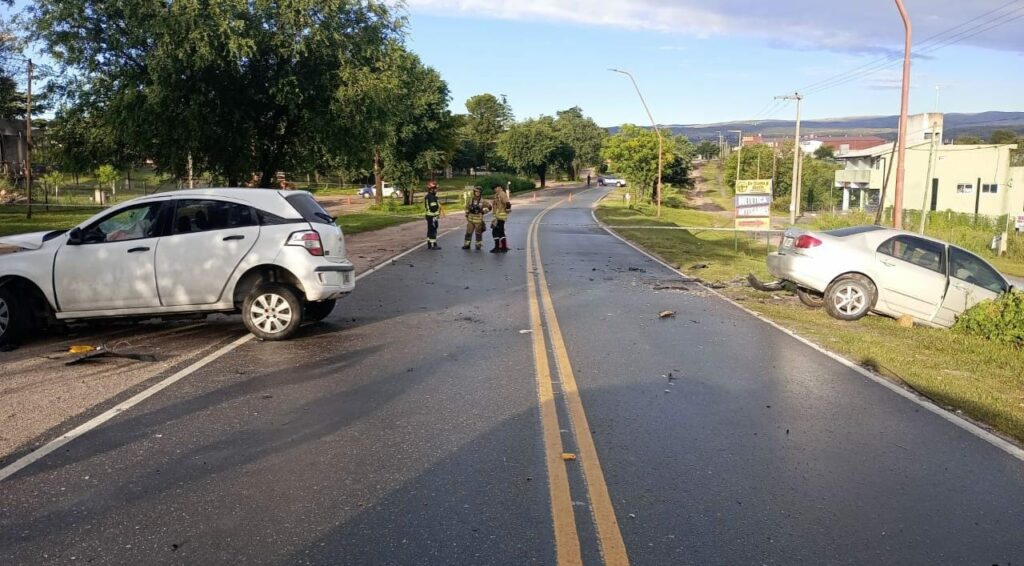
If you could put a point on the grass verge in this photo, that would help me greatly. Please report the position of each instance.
(13, 221)
(368, 221)
(983, 379)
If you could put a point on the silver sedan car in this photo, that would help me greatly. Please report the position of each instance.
(854, 271)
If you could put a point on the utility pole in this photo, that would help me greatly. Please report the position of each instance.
(901, 153)
(794, 193)
(928, 182)
(661, 151)
(739, 154)
(28, 140)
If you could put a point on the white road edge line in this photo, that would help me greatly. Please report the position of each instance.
(993, 439)
(95, 422)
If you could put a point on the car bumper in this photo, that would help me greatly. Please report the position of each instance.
(796, 268)
(331, 281)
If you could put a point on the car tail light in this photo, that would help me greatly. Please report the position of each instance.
(309, 239)
(805, 241)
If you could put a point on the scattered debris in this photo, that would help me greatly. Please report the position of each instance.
(568, 456)
(640, 269)
(766, 287)
(81, 349)
(105, 352)
(666, 314)
(699, 266)
(906, 321)
(527, 331)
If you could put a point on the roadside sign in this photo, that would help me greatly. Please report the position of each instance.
(754, 187)
(753, 205)
(1019, 222)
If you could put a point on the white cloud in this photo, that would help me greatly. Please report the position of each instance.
(858, 27)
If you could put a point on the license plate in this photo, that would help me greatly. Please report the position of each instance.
(787, 242)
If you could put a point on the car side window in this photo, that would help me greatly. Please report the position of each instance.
(195, 215)
(918, 251)
(970, 268)
(132, 223)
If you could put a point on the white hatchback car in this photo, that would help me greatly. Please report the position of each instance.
(275, 256)
(853, 271)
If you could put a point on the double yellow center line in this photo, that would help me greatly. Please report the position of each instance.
(567, 541)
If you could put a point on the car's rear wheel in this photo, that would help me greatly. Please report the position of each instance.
(850, 297)
(12, 323)
(813, 299)
(315, 312)
(272, 311)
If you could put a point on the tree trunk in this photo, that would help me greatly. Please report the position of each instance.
(377, 181)
(266, 177)
(542, 172)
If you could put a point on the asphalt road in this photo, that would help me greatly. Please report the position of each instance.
(414, 427)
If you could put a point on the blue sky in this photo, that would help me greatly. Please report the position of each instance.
(704, 65)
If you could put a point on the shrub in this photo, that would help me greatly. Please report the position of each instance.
(999, 320)
(672, 201)
(518, 183)
(781, 204)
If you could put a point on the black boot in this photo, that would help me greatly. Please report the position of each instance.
(465, 246)
(497, 246)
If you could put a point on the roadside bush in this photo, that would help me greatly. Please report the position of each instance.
(673, 201)
(519, 184)
(1000, 320)
(781, 204)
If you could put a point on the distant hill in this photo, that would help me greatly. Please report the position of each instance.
(956, 124)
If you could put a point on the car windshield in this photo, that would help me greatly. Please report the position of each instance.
(310, 210)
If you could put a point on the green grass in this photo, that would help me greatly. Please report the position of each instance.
(983, 379)
(367, 221)
(13, 221)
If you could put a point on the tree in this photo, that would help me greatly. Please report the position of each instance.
(1003, 136)
(759, 161)
(532, 146)
(818, 184)
(707, 149)
(583, 138)
(677, 170)
(633, 153)
(488, 117)
(968, 139)
(241, 87)
(107, 174)
(825, 152)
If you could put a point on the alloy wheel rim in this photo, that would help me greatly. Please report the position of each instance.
(850, 300)
(271, 313)
(5, 317)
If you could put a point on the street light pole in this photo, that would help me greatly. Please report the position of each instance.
(794, 191)
(661, 150)
(897, 205)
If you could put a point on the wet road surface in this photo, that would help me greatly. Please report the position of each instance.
(412, 427)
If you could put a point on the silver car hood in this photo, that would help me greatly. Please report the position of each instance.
(29, 241)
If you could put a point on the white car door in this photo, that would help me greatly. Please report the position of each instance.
(111, 264)
(207, 240)
(911, 276)
(971, 281)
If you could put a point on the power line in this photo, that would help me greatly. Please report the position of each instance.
(887, 61)
(968, 33)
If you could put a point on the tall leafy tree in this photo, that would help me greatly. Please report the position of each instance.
(582, 136)
(533, 146)
(708, 149)
(238, 86)
(488, 116)
(633, 153)
(1003, 136)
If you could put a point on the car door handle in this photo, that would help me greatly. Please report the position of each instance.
(138, 249)
(235, 237)
(888, 263)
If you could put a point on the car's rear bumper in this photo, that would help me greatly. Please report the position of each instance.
(796, 268)
(330, 281)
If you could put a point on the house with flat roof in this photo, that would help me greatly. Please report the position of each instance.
(973, 179)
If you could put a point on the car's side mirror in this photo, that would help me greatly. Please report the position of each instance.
(75, 237)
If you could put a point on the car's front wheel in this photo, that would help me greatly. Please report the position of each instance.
(315, 312)
(850, 297)
(272, 311)
(813, 299)
(11, 325)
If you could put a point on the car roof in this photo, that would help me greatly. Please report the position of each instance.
(884, 234)
(269, 200)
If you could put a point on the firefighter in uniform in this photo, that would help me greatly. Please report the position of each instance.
(501, 208)
(432, 212)
(476, 208)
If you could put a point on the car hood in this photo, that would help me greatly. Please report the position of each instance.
(29, 241)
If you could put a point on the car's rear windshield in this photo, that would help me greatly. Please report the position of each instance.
(309, 208)
(852, 231)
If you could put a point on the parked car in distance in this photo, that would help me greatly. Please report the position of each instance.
(862, 269)
(611, 181)
(274, 256)
(386, 189)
